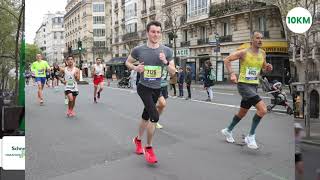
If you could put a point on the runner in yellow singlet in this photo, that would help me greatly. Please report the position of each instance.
(252, 61)
(39, 68)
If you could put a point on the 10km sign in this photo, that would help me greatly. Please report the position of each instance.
(299, 20)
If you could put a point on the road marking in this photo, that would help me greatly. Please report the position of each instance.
(204, 102)
(266, 172)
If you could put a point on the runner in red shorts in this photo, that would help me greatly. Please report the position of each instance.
(98, 77)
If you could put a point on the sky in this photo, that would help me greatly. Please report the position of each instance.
(35, 11)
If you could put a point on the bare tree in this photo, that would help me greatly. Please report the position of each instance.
(173, 23)
(303, 43)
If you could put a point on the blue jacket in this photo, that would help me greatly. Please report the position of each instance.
(181, 78)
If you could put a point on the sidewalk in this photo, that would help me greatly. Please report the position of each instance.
(315, 131)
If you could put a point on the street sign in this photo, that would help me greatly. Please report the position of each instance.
(212, 41)
(300, 88)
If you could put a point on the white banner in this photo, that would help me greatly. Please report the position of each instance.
(13, 153)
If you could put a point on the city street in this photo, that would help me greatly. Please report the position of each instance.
(97, 143)
(311, 159)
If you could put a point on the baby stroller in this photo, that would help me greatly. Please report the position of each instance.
(124, 82)
(279, 97)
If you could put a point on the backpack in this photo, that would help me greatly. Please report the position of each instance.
(212, 75)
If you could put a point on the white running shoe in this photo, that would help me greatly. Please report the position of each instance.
(66, 101)
(228, 135)
(250, 140)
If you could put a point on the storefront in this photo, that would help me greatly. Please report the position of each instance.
(117, 66)
(277, 55)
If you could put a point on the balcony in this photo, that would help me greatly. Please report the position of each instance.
(203, 41)
(185, 43)
(130, 36)
(220, 9)
(183, 19)
(227, 38)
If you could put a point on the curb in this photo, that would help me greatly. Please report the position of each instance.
(310, 142)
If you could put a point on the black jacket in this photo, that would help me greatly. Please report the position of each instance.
(181, 78)
(207, 81)
(188, 78)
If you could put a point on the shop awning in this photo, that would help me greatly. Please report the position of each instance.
(270, 46)
(116, 61)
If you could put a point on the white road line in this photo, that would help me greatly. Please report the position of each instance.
(200, 101)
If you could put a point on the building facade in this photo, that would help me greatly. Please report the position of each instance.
(86, 25)
(50, 37)
(129, 21)
(212, 30)
(307, 69)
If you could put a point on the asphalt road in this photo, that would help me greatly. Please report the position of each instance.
(97, 143)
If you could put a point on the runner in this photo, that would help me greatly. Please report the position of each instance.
(39, 68)
(163, 95)
(71, 76)
(252, 61)
(55, 75)
(98, 77)
(152, 57)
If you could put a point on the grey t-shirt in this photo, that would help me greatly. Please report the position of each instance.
(150, 57)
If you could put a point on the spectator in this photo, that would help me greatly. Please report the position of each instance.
(188, 81)
(180, 81)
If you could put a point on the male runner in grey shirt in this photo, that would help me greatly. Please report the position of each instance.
(152, 58)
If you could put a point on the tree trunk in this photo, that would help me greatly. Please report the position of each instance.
(175, 49)
(17, 55)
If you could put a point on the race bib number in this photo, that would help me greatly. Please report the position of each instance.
(70, 84)
(252, 73)
(152, 73)
(41, 72)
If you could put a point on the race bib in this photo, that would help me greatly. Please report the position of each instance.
(252, 73)
(41, 72)
(70, 84)
(152, 73)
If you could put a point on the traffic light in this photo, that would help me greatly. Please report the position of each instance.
(79, 45)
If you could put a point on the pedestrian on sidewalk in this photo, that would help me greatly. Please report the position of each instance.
(188, 81)
(181, 81)
(71, 76)
(173, 82)
(252, 61)
(98, 78)
(152, 57)
(208, 81)
(298, 153)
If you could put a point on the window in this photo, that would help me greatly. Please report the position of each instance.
(98, 32)
(98, 7)
(99, 44)
(203, 32)
(131, 28)
(131, 10)
(225, 29)
(98, 19)
(197, 7)
(185, 35)
(54, 35)
(262, 24)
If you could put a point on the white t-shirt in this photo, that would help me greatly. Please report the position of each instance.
(99, 69)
